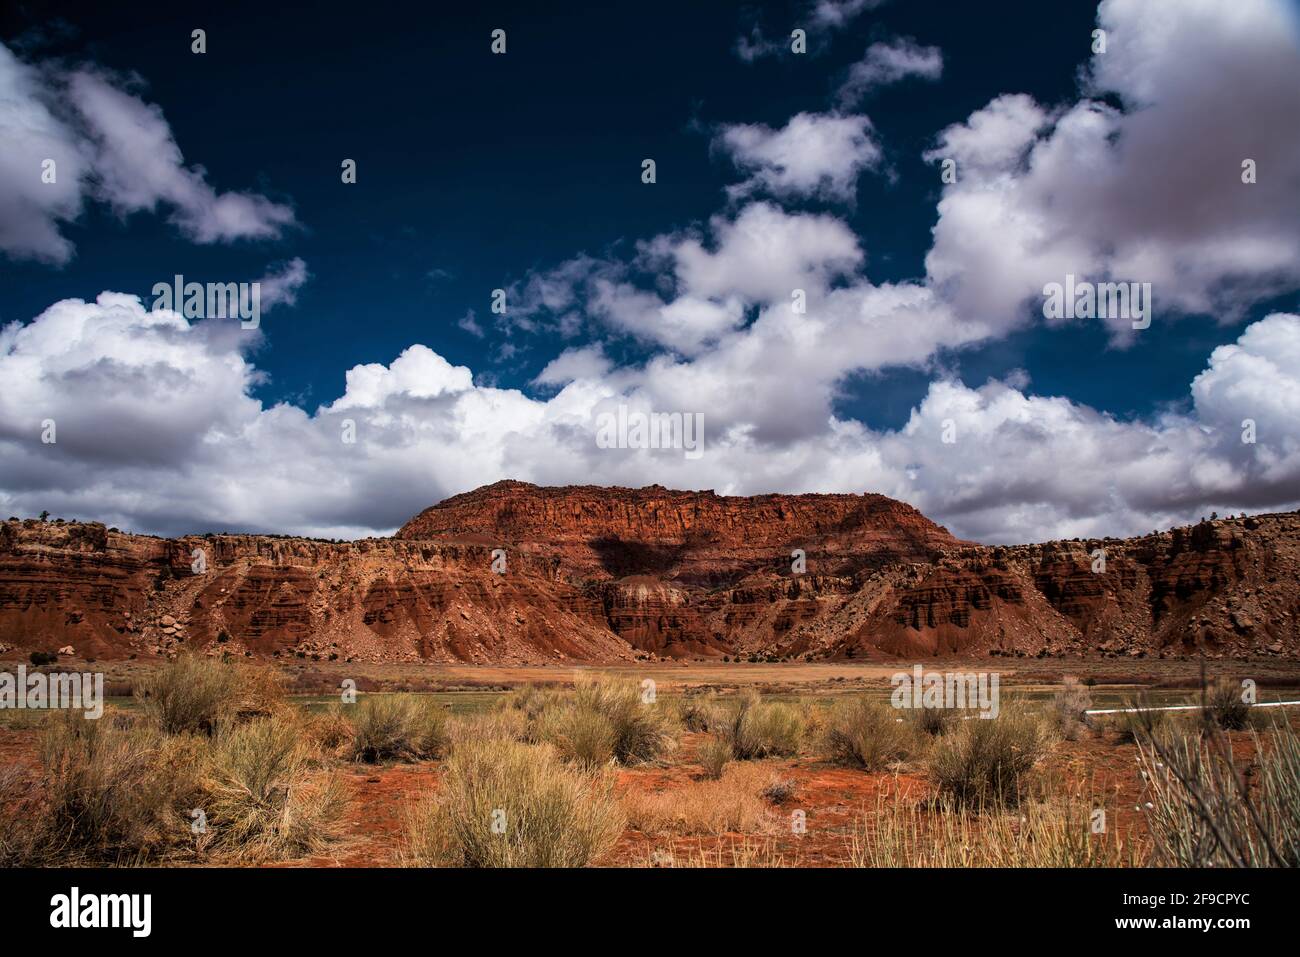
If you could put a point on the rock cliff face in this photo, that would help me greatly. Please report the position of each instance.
(515, 573)
(699, 538)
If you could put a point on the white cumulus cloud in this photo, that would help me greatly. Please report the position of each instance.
(1150, 190)
(110, 146)
(813, 155)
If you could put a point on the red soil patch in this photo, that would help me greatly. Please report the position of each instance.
(375, 817)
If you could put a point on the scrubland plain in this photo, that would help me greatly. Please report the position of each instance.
(203, 761)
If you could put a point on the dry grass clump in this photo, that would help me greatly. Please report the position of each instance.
(780, 790)
(865, 733)
(762, 729)
(714, 754)
(1051, 834)
(331, 731)
(402, 727)
(581, 735)
(1279, 798)
(642, 730)
(1069, 706)
(266, 798)
(19, 807)
(931, 721)
(734, 803)
(194, 695)
(129, 796)
(508, 804)
(701, 713)
(1278, 804)
(1201, 809)
(599, 720)
(531, 700)
(113, 795)
(125, 792)
(815, 719)
(985, 760)
(214, 764)
(504, 724)
(1225, 706)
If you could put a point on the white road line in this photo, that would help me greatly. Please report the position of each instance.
(1186, 707)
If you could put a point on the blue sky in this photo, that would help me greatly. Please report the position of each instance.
(522, 171)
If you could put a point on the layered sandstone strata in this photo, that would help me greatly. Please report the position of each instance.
(516, 573)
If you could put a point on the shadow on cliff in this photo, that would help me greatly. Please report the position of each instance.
(621, 558)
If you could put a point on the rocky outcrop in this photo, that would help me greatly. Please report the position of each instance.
(700, 538)
(112, 595)
(515, 573)
(1221, 588)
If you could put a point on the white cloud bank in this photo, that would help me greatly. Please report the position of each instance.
(156, 429)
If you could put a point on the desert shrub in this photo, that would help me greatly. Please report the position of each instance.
(931, 721)
(1201, 810)
(575, 720)
(732, 803)
(714, 754)
(581, 735)
(642, 731)
(115, 796)
(701, 713)
(545, 814)
(404, 727)
(265, 797)
(1224, 706)
(532, 700)
(985, 760)
(1069, 706)
(780, 790)
(864, 733)
(42, 658)
(331, 731)
(815, 719)
(196, 695)
(762, 729)
(261, 691)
